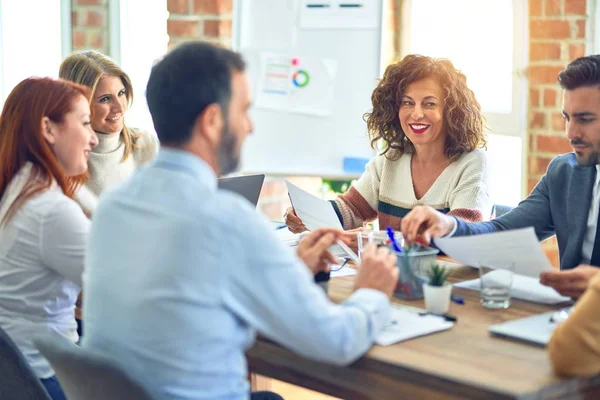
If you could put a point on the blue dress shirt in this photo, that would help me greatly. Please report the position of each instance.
(180, 276)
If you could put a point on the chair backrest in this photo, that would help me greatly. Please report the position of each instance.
(88, 375)
(498, 210)
(17, 379)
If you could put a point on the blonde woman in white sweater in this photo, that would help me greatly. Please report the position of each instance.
(121, 148)
(433, 137)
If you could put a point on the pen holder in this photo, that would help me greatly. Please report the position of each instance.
(413, 264)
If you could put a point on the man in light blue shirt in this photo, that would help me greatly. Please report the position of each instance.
(180, 275)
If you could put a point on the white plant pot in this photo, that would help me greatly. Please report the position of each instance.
(437, 298)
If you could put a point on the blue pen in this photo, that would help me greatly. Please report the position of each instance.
(390, 233)
(457, 299)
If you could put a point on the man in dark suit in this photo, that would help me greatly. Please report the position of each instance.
(565, 201)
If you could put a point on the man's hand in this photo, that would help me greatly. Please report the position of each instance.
(377, 270)
(313, 249)
(292, 221)
(424, 223)
(572, 282)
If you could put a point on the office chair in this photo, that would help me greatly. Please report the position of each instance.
(88, 375)
(499, 210)
(17, 379)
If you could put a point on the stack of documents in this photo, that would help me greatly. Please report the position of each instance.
(406, 324)
(524, 288)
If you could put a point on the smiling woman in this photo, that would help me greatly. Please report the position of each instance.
(121, 149)
(432, 134)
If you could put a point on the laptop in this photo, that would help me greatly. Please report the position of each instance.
(248, 186)
(536, 329)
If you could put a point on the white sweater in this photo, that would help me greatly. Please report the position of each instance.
(386, 191)
(106, 168)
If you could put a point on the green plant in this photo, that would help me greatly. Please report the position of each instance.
(437, 274)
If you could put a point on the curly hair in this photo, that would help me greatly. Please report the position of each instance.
(463, 121)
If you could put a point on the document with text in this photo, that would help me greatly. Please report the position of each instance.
(314, 212)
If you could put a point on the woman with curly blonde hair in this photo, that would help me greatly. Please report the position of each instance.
(432, 138)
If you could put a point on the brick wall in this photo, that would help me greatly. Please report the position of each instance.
(89, 19)
(209, 20)
(557, 35)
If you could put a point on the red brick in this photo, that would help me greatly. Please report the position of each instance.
(178, 6)
(74, 18)
(94, 19)
(535, 8)
(531, 184)
(557, 122)
(543, 74)
(88, 2)
(544, 51)
(553, 144)
(182, 28)
(550, 29)
(213, 6)
(78, 39)
(575, 7)
(580, 29)
(541, 164)
(553, 7)
(537, 120)
(534, 97)
(217, 28)
(576, 50)
(549, 98)
(97, 40)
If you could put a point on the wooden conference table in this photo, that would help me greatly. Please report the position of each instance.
(465, 362)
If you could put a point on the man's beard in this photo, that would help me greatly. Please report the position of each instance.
(592, 159)
(228, 160)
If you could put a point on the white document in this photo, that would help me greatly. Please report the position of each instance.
(405, 324)
(314, 212)
(524, 288)
(518, 249)
(295, 83)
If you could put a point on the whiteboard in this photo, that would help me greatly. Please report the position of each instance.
(337, 37)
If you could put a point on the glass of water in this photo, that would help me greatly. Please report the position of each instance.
(379, 238)
(495, 286)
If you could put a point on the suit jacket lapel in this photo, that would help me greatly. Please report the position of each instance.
(578, 206)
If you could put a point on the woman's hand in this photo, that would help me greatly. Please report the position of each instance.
(292, 221)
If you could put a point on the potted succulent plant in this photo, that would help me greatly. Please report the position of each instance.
(437, 291)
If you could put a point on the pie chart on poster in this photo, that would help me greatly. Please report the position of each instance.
(301, 78)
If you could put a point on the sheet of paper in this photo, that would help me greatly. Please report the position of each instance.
(294, 83)
(314, 212)
(524, 288)
(518, 249)
(405, 324)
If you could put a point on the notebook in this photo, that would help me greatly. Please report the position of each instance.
(406, 323)
(247, 186)
(536, 329)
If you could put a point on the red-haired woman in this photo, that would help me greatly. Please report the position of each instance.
(45, 142)
(432, 132)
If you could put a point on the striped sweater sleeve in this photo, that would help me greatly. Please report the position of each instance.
(469, 200)
(359, 204)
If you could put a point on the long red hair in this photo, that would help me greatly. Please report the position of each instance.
(21, 138)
